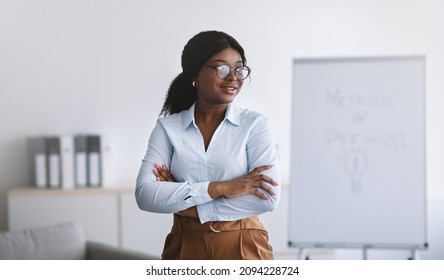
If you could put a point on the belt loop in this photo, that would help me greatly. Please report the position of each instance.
(212, 229)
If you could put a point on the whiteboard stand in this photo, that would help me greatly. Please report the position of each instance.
(301, 253)
(413, 251)
(415, 254)
(364, 252)
(304, 251)
(308, 253)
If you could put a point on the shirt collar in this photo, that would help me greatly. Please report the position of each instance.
(188, 116)
(232, 115)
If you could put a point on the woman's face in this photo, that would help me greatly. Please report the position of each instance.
(210, 87)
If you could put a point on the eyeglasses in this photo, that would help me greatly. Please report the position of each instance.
(223, 71)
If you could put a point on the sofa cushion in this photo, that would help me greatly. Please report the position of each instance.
(62, 241)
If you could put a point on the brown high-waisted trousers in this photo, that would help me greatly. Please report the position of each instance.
(245, 239)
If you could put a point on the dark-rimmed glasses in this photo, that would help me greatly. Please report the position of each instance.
(223, 71)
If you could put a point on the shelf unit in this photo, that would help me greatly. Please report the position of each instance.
(108, 215)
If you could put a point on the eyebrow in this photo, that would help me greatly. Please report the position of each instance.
(224, 61)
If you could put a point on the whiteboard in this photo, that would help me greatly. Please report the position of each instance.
(358, 174)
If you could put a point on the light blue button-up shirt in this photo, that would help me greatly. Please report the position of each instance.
(242, 142)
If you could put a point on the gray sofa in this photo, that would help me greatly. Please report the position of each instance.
(59, 242)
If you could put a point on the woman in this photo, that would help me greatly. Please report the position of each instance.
(213, 164)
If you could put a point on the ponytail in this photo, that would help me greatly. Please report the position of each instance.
(180, 96)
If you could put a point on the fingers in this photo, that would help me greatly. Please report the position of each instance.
(259, 169)
(156, 172)
(261, 185)
(265, 178)
(260, 194)
(260, 180)
(266, 188)
(162, 173)
(258, 183)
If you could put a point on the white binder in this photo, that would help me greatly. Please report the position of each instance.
(67, 161)
(93, 158)
(80, 161)
(37, 161)
(53, 161)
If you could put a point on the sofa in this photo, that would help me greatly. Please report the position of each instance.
(65, 241)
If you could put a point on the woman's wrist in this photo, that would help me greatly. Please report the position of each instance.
(215, 189)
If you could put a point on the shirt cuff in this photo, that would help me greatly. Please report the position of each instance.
(199, 193)
(205, 212)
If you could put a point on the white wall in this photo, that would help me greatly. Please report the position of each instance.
(71, 66)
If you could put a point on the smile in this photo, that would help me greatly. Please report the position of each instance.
(230, 90)
(230, 87)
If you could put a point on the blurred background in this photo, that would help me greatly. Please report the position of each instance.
(104, 66)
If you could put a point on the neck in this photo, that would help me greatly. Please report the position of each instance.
(210, 113)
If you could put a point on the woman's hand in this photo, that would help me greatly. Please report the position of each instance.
(248, 184)
(162, 173)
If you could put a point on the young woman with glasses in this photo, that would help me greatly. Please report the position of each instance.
(211, 163)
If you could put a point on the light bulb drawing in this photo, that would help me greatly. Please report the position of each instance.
(355, 165)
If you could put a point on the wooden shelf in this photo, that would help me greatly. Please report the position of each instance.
(33, 191)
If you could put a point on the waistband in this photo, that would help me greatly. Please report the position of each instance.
(182, 224)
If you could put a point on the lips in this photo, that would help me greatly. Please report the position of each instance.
(230, 89)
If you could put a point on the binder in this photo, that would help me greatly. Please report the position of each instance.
(53, 162)
(70, 161)
(80, 161)
(67, 161)
(37, 161)
(93, 161)
(106, 163)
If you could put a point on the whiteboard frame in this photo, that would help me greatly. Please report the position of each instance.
(366, 245)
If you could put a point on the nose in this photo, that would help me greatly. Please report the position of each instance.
(231, 76)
